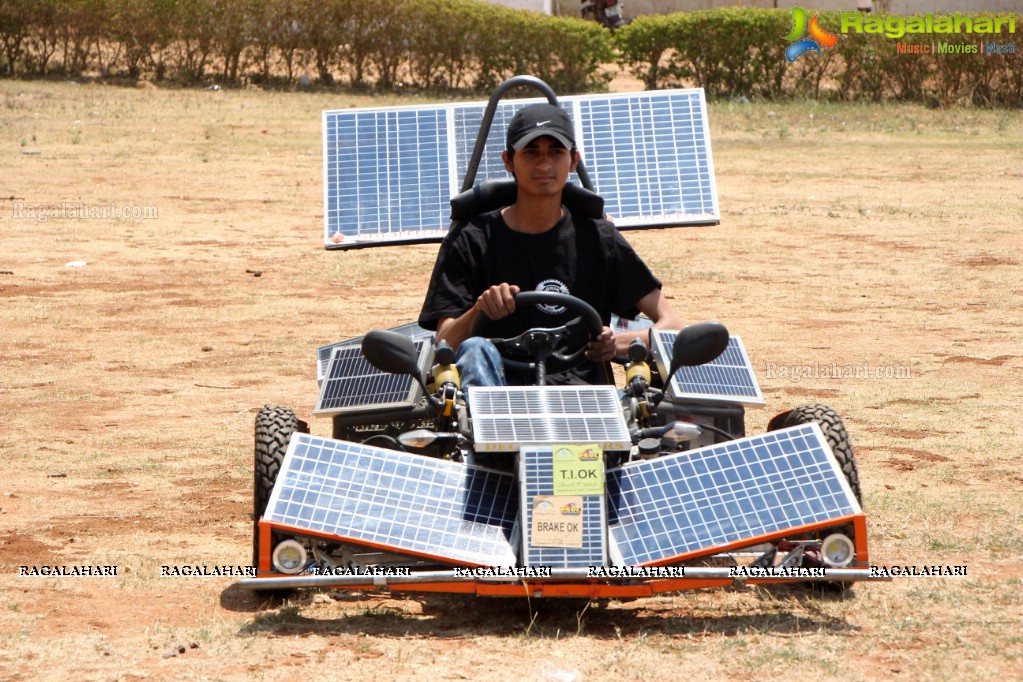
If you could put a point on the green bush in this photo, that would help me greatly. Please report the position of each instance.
(643, 44)
(146, 31)
(17, 23)
(736, 52)
(445, 44)
(438, 56)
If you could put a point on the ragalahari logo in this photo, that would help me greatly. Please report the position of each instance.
(819, 38)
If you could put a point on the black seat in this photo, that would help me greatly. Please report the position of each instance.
(491, 195)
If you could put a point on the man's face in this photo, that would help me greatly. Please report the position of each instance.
(542, 166)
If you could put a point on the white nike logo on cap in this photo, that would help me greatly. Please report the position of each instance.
(542, 123)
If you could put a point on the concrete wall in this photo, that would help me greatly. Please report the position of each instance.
(544, 6)
(635, 8)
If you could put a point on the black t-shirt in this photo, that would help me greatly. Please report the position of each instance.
(586, 258)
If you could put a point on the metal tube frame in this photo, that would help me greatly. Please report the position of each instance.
(557, 575)
(488, 120)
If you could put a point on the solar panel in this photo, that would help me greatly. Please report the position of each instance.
(353, 385)
(727, 379)
(508, 417)
(723, 496)
(386, 173)
(536, 477)
(398, 501)
(648, 155)
(390, 172)
(411, 330)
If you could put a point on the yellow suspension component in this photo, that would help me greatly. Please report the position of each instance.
(446, 377)
(637, 369)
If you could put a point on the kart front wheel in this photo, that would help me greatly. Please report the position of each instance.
(836, 435)
(274, 428)
(838, 438)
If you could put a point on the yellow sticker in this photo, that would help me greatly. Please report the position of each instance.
(557, 521)
(578, 470)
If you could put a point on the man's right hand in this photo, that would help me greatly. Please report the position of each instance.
(498, 301)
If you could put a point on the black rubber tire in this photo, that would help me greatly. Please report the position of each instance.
(834, 430)
(274, 428)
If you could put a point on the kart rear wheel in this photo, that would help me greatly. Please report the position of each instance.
(835, 433)
(274, 428)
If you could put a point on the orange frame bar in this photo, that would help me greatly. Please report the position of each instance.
(587, 588)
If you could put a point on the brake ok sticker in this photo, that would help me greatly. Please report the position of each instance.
(578, 470)
(557, 521)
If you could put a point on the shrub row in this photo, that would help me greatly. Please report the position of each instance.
(737, 52)
(381, 43)
(469, 44)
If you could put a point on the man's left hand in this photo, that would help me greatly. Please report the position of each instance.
(602, 348)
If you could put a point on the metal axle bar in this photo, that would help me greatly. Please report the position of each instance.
(737, 575)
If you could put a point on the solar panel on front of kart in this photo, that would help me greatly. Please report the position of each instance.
(706, 500)
(506, 417)
(389, 173)
(387, 499)
(729, 378)
(536, 478)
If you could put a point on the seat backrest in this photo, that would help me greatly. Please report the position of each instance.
(491, 195)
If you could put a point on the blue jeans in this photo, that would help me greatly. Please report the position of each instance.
(479, 363)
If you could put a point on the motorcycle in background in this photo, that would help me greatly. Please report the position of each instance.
(607, 12)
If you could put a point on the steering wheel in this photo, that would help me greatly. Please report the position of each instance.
(541, 343)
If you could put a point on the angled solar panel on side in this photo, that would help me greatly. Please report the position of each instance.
(729, 378)
(721, 496)
(352, 384)
(411, 330)
(397, 501)
(389, 173)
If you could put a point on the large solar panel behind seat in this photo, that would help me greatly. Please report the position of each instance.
(724, 496)
(397, 501)
(390, 172)
(729, 378)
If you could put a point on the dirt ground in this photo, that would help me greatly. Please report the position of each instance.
(868, 256)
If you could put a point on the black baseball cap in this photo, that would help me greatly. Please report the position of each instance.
(538, 120)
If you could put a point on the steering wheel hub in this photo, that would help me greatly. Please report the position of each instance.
(541, 344)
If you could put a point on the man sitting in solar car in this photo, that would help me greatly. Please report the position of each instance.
(537, 244)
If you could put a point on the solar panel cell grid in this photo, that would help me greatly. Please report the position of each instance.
(507, 417)
(536, 474)
(449, 511)
(323, 353)
(709, 498)
(389, 173)
(386, 171)
(729, 378)
(352, 384)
